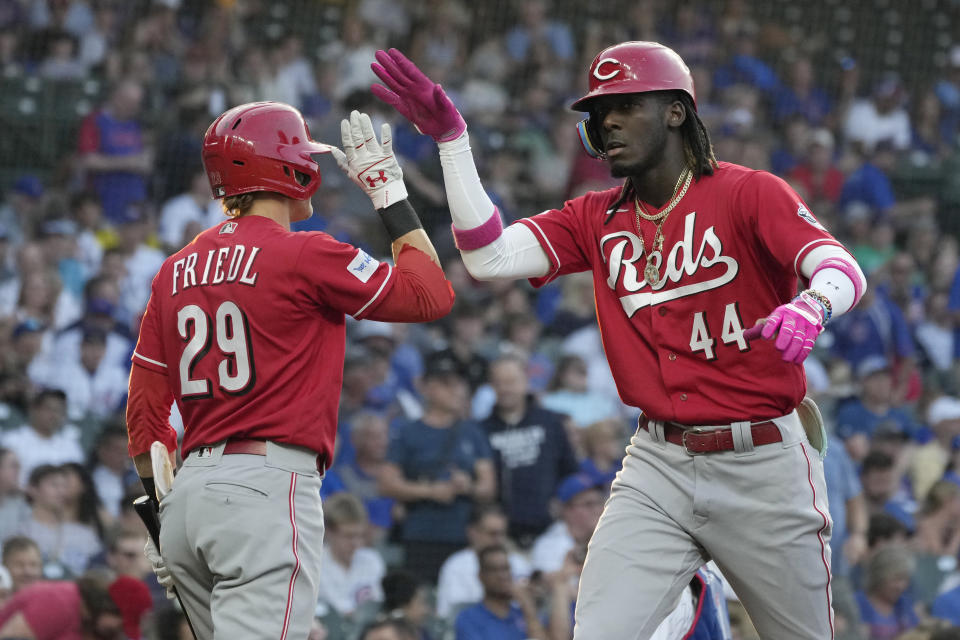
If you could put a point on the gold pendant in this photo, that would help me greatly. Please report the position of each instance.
(651, 274)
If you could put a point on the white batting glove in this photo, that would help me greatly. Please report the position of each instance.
(159, 567)
(370, 164)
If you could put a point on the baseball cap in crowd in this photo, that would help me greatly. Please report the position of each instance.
(871, 365)
(441, 364)
(28, 185)
(133, 600)
(28, 325)
(943, 409)
(577, 483)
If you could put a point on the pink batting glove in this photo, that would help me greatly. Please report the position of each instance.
(799, 322)
(416, 97)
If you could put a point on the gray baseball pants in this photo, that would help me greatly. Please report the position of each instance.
(760, 513)
(242, 535)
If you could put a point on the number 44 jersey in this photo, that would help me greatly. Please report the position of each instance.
(732, 249)
(248, 324)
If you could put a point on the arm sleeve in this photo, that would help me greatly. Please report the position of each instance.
(148, 411)
(840, 284)
(517, 253)
(420, 291)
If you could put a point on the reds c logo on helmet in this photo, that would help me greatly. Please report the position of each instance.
(632, 67)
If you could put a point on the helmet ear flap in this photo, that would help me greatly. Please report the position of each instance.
(590, 139)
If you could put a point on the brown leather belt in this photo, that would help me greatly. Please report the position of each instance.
(253, 447)
(698, 440)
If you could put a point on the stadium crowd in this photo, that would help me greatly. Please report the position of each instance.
(441, 533)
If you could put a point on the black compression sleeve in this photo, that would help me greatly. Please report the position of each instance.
(399, 219)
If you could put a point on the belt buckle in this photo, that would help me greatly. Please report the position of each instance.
(683, 440)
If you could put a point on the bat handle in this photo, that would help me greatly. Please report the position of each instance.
(754, 331)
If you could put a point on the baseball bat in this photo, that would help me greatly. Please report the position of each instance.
(753, 332)
(148, 514)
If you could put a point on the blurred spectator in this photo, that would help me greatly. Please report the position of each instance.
(125, 555)
(22, 206)
(885, 530)
(370, 438)
(87, 212)
(352, 56)
(521, 336)
(6, 586)
(947, 606)
(351, 570)
(141, 260)
(744, 66)
(438, 466)
(94, 387)
(22, 558)
(112, 469)
(74, 16)
(800, 96)
(881, 479)
(581, 500)
(183, 216)
(880, 117)
(169, 623)
(796, 137)
(96, 41)
(100, 312)
(904, 288)
(928, 145)
(82, 505)
(441, 40)
(937, 540)
(58, 242)
(388, 629)
(507, 611)
(531, 450)
(934, 336)
(568, 394)
(406, 599)
(464, 341)
(603, 444)
(113, 150)
(873, 409)
(537, 37)
(47, 438)
(95, 605)
(932, 459)
(61, 61)
(63, 544)
(885, 604)
(13, 504)
(948, 93)
(459, 582)
(817, 174)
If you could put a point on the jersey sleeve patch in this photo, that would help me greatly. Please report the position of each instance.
(363, 266)
(805, 214)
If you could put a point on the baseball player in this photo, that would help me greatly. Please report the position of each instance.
(685, 256)
(245, 331)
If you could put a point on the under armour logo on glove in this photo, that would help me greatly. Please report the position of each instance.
(372, 180)
(370, 164)
(796, 325)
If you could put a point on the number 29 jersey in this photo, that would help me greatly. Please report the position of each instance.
(731, 254)
(247, 323)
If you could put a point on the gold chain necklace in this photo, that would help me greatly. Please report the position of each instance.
(650, 272)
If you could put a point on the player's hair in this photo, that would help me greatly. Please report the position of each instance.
(697, 147)
(236, 206)
(16, 544)
(342, 509)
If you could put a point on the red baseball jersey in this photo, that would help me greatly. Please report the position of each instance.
(731, 254)
(247, 323)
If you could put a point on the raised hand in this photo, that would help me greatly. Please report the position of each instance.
(416, 97)
(370, 164)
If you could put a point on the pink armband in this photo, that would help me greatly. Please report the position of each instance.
(470, 239)
(848, 270)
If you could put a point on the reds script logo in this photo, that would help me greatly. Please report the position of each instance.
(684, 259)
(372, 180)
(609, 74)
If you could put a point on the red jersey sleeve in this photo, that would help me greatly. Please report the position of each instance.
(562, 234)
(149, 351)
(782, 221)
(345, 278)
(420, 292)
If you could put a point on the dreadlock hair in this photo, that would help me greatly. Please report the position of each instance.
(697, 148)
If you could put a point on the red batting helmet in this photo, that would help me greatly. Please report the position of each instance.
(631, 67)
(261, 146)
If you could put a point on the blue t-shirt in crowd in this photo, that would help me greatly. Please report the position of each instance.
(853, 417)
(118, 189)
(843, 484)
(531, 457)
(430, 454)
(815, 106)
(877, 330)
(947, 606)
(476, 622)
(887, 627)
(953, 304)
(353, 479)
(869, 185)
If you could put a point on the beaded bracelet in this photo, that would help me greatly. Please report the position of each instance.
(824, 302)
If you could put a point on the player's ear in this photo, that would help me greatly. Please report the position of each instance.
(676, 113)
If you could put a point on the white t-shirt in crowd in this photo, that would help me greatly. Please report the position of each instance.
(343, 589)
(459, 582)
